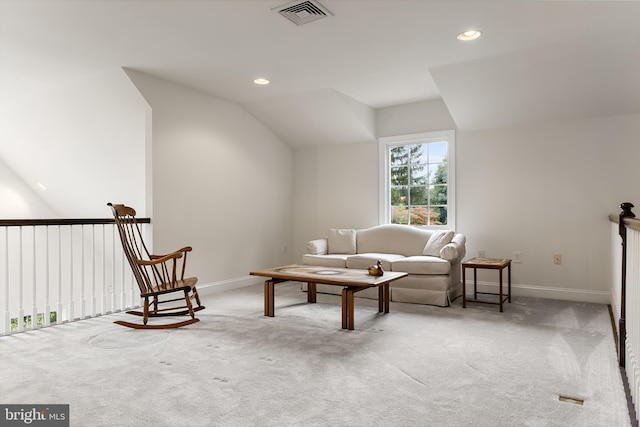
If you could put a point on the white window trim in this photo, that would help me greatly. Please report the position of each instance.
(385, 142)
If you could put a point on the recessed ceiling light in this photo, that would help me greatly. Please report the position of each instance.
(469, 35)
(261, 81)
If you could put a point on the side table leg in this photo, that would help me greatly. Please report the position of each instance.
(464, 288)
(501, 300)
(509, 278)
(475, 283)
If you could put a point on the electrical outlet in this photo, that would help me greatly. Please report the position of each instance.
(284, 249)
(557, 259)
(481, 253)
(517, 256)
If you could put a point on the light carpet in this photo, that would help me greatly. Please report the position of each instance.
(416, 366)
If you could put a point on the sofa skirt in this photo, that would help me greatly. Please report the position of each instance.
(442, 298)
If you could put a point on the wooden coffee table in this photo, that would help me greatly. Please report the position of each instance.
(352, 281)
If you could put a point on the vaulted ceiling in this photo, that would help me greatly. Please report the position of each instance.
(537, 60)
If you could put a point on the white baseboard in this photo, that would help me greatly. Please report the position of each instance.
(580, 295)
(225, 285)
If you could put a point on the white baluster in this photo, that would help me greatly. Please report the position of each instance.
(34, 302)
(21, 289)
(71, 284)
(47, 305)
(7, 314)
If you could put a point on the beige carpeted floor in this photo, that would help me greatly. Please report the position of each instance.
(416, 366)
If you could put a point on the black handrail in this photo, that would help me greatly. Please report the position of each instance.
(62, 221)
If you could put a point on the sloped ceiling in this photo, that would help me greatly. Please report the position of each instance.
(317, 117)
(537, 60)
(574, 79)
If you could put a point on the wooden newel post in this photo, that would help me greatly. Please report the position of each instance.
(622, 329)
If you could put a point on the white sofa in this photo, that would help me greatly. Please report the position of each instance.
(431, 257)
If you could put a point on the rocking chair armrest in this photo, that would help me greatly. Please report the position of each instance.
(179, 251)
(159, 259)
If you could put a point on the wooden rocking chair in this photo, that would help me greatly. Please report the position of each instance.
(156, 275)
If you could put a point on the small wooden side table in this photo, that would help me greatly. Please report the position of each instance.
(491, 264)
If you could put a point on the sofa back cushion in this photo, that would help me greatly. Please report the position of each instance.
(341, 241)
(392, 239)
(438, 240)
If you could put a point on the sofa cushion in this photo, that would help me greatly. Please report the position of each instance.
(393, 238)
(449, 252)
(317, 247)
(337, 261)
(364, 261)
(438, 240)
(342, 241)
(421, 265)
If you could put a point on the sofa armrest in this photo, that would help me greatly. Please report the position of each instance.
(456, 250)
(317, 247)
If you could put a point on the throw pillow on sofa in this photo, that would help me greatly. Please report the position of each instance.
(342, 241)
(437, 241)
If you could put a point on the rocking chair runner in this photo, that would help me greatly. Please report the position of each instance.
(156, 275)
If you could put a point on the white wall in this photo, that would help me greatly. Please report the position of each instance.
(85, 141)
(540, 190)
(549, 189)
(336, 186)
(222, 183)
(19, 200)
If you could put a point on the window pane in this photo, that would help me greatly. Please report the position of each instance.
(438, 194)
(419, 215)
(400, 175)
(419, 196)
(399, 155)
(438, 216)
(419, 175)
(399, 196)
(438, 173)
(399, 215)
(437, 152)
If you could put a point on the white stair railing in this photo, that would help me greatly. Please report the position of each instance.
(57, 271)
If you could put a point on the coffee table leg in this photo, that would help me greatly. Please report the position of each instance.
(380, 299)
(311, 292)
(345, 310)
(269, 303)
(350, 309)
(386, 297)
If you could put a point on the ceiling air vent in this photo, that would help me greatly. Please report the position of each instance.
(303, 12)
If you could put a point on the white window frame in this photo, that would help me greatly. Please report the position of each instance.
(384, 200)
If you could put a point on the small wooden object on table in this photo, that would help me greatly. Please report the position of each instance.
(491, 264)
(351, 280)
